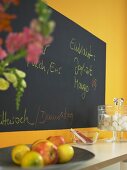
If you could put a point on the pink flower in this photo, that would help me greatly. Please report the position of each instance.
(3, 54)
(31, 36)
(32, 41)
(33, 53)
(28, 35)
(14, 42)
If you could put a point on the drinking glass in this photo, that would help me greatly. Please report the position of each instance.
(113, 118)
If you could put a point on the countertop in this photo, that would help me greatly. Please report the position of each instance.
(106, 154)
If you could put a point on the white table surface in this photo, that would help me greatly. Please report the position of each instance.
(105, 154)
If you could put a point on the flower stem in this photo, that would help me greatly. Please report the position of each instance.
(11, 58)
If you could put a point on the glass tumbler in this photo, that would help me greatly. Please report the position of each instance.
(112, 118)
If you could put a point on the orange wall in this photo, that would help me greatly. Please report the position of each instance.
(106, 19)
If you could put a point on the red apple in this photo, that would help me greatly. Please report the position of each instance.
(56, 140)
(47, 150)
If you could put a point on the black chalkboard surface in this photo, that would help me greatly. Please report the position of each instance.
(65, 87)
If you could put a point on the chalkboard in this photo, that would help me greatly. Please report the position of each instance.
(65, 87)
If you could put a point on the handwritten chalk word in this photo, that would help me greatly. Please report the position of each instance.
(44, 117)
(80, 49)
(52, 68)
(84, 88)
(5, 119)
(81, 68)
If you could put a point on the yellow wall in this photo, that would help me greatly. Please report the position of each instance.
(107, 20)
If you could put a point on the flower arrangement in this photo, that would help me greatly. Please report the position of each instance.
(28, 44)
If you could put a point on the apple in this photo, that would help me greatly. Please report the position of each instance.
(56, 140)
(47, 150)
(37, 141)
(65, 153)
(32, 159)
(18, 152)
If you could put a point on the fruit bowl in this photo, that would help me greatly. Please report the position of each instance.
(79, 155)
(85, 137)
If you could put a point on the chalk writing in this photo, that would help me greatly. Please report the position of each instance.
(5, 120)
(84, 88)
(80, 49)
(81, 68)
(44, 117)
(45, 49)
(52, 68)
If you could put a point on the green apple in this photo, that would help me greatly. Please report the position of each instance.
(32, 159)
(65, 153)
(18, 153)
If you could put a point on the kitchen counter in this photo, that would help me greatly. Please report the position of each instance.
(106, 154)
